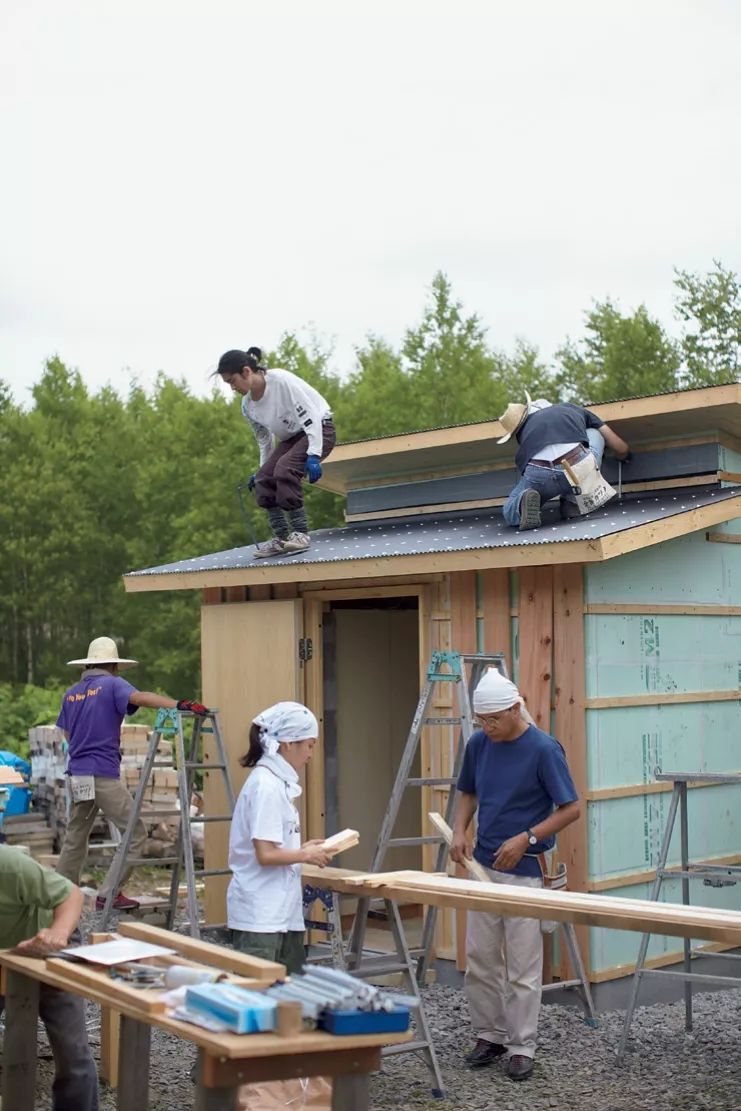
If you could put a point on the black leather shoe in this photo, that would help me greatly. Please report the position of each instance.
(484, 1053)
(519, 1067)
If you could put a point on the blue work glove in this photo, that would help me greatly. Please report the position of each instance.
(313, 468)
(252, 482)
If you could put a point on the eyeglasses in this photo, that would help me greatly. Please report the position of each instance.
(492, 719)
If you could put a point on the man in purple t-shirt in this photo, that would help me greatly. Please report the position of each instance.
(91, 716)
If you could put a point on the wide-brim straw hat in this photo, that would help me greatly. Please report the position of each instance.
(102, 650)
(513, 416)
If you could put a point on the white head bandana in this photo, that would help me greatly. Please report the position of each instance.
(494, 693)
(285, 722)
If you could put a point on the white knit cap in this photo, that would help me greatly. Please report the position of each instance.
(285, 722)
(494, 692)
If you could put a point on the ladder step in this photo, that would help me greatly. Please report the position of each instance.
(443, 721)
(214, 818)
(440, 781)
(199, 764)
(164, 764)
(404, 1047)
(379, 967)
(155, 861)
(399, 842)
(212, 872)
(146, 814)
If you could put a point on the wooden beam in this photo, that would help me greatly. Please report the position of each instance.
(633, 790)
(313, 679)
(723, 537)
(631, 879)
(648, 607)
(463, 636)
(536, 642)
(570, 723)
(661, 699)
(260, 592)
(495, 611)
(237, 593)
(205, 952)
(669, 528)
(211, 596)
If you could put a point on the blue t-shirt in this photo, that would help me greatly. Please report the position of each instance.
(91, 713)
(517, 784)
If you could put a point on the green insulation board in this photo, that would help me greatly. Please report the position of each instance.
(689, 571)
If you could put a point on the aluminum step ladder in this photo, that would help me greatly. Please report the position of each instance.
(712, 875)
(169, 723)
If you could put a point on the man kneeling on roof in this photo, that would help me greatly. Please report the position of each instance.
(553, 440)
(517, 777)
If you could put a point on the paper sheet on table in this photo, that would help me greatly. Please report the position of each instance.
(118, 951)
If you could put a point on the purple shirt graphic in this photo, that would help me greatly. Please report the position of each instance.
(91, 713)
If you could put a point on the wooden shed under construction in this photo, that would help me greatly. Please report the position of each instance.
(622, 630)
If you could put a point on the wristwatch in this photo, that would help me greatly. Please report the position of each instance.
(531, 838)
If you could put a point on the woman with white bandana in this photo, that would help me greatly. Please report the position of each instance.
(264, 899)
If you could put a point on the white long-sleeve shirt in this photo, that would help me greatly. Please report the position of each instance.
(288, 406)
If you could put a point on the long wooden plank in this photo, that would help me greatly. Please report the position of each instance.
(634, 790)
(723, 538)
(536, 642)
(495, 611)
(661, 698)
(477, 871)
(570, 725)
(661, 607)
(613, 912)
(464, 639)
(205, 952)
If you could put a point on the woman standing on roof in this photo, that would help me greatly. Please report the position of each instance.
(265, 895)
(281, 407)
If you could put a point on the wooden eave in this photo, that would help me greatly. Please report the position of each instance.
(686, 413)
(470, 559)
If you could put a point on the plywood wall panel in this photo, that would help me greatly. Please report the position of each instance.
(535, 605)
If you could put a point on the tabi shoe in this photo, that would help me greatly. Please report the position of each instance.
(568, 509)
(297, 542)
(274, 547)
(529, 510)
(484, 1053)
(121, 902)
(519, 1067)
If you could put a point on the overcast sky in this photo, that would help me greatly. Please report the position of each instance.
(183, 177)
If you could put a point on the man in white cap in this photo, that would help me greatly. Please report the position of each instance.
(549, 436)
(517, 778)
(91, 716)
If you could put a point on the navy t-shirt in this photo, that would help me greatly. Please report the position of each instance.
(558, 424)
(517, 784)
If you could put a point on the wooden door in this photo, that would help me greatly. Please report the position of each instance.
(249, 660)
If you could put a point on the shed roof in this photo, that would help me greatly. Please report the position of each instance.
(459, 448)
(472, 539)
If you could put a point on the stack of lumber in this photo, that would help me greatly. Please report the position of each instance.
(30, 830)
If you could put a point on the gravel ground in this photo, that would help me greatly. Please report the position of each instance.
(666, 1070)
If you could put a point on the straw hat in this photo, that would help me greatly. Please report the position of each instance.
(102, 650)
(513, 416)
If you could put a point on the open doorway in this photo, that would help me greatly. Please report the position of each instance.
(371, 689)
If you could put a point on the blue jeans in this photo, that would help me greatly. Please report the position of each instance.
(549, 482)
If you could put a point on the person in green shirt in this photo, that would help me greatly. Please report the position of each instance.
(39, 911)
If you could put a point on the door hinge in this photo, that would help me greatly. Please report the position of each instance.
(305, 649)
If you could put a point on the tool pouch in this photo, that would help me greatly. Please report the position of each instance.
(82, 788)
(555, 878)
(590, 490)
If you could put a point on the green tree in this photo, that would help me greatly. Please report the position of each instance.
(620, 356)
(709, 307)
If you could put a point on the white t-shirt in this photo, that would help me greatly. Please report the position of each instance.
(264, 899)
(288, 406)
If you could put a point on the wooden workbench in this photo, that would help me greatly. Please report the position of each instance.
(224, 1060)
(640, 915)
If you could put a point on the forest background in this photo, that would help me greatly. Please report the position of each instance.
(97, 484)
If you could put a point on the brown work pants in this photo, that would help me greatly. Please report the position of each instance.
(278, 482)
(115, 802)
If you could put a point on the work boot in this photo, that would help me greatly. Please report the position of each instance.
(529, 510)
(274, 547)
(484, 1053)
(519, 1067)
(297, 542)
(121, 902)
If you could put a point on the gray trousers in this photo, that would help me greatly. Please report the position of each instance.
(112, 798)
(75, 1085)
(504, 974)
